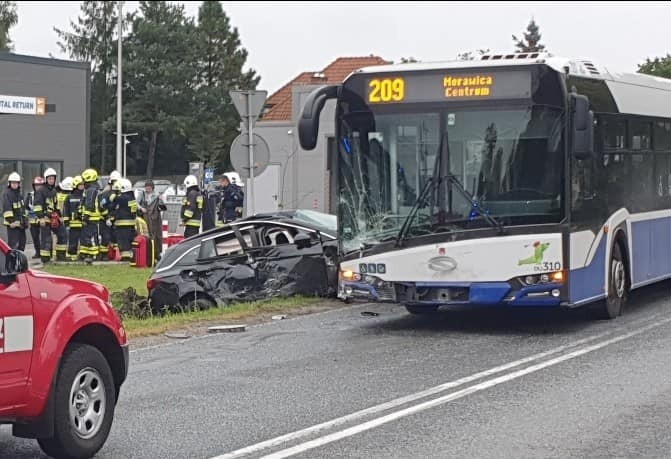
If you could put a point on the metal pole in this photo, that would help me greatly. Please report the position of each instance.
(125, 142)
(118, 93)
(250, 196)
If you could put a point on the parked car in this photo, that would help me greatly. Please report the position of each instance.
(63, 358)
(275, 254)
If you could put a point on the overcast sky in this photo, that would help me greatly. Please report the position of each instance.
(287, 38)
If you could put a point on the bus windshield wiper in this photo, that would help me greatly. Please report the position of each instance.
(475, 206)
(428, 186)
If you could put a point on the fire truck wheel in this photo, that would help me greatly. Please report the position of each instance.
(83, 406)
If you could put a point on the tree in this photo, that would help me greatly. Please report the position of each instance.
(470, 55)
(159, 75)
(93, 39)
(660, 67)
(531, 41)
(220, 62)
(8, 19)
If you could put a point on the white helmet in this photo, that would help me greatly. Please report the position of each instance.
(49, 172)
(66, 184)
(114, 175)
(190, 181)
(126, 185)
(14, 177)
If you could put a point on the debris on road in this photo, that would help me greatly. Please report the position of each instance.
(370, 313)
(177, 335)
(227, 328)
(279, 317)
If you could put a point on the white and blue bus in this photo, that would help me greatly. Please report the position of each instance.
(512, 180)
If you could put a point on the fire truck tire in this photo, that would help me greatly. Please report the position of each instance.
(83, 406)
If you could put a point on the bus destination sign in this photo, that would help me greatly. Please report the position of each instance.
(448, 86)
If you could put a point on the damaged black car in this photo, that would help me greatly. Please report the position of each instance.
(268, 255)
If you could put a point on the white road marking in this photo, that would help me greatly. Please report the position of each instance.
(286, 438)
(321, 441)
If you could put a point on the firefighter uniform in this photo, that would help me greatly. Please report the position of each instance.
(106, 199)
(33, 221)
(73, 217)
(46, 209)
(13, 213)
(192, 207)
(90, 213)
(124, 212)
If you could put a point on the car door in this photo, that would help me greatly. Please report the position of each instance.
(16, 337)
(224, 268)
(291, 258)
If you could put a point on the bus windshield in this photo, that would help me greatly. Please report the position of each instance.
(504, 162)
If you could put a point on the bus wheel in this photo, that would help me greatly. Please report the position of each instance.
(421, 309)
(618, 285)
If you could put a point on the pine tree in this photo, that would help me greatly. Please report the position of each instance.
(220, 62)
(160, 75)
(531, 41)
(660, 67)
(93, 39)
(8, 19)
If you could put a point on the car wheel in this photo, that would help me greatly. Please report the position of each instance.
(618, 286)
(200, 303)
(84, 403)
(421, 309)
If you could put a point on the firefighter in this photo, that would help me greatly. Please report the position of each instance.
(192, 207)
(105, 203)
(90, 216)
(73, 217)
(33, 221)
(46, 208)
(13, 213)
(124, 212)
(63, 189)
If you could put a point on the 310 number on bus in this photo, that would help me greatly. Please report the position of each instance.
(386, 90)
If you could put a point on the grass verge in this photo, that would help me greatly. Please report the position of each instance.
(114, 277)
(119, 277)
(136, 328)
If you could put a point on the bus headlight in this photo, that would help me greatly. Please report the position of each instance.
(545, 278)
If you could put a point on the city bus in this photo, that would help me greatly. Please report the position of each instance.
(511, 180)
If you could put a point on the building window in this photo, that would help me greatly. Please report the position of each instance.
(32, 169)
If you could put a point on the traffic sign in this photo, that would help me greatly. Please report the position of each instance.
(240, 155)
(252, 107)
(209, 175)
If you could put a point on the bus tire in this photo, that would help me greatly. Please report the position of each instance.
(618, 286)
(421, 309)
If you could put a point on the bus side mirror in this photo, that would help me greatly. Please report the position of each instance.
(583, 127)
(308, 123)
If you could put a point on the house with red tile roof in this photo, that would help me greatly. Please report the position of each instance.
(297, 179)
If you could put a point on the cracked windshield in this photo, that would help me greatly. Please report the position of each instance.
(503, 163)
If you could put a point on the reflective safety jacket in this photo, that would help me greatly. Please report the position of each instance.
(192, 207)
(89, 209)
(12, 207)
(72, 209)
(124, 210)
(45, 202)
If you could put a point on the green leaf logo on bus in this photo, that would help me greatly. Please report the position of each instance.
(537, 257)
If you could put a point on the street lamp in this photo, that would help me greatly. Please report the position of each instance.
(126, 142)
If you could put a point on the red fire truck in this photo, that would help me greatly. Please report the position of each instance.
(63, 358)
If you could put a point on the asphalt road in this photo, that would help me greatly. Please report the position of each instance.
(486, 383)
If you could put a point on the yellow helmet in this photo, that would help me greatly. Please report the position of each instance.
(90, 176)
(77, 180)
